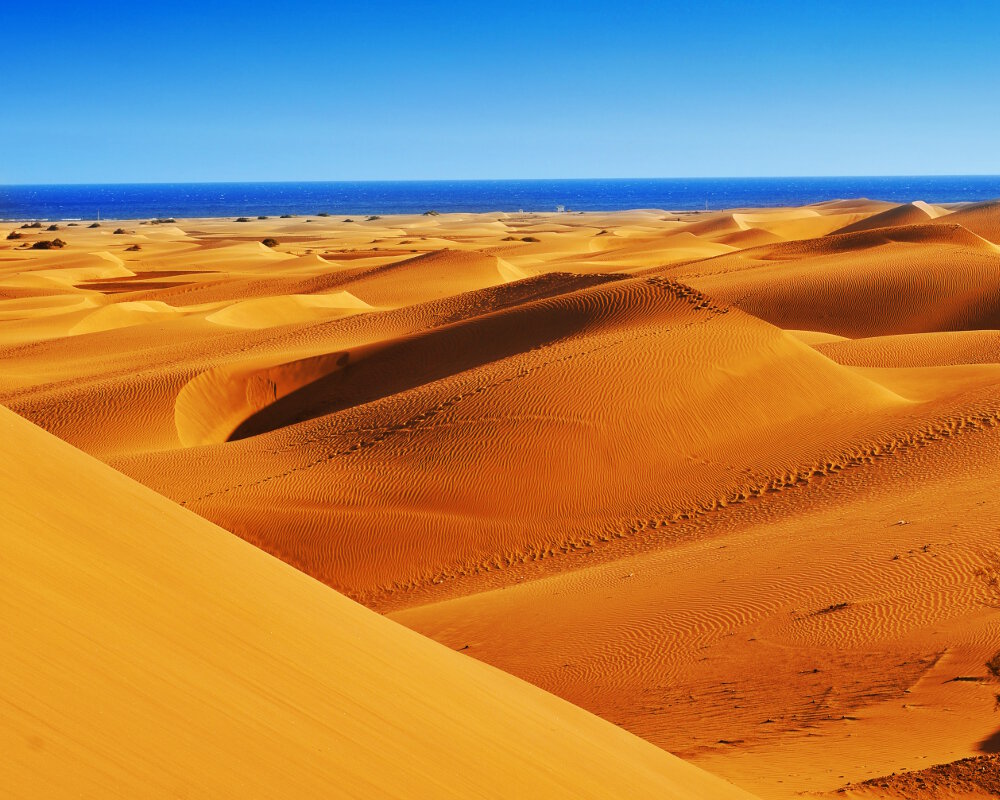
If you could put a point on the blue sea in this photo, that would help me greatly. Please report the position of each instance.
(144, 201)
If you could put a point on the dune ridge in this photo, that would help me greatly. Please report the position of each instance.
(906, 214)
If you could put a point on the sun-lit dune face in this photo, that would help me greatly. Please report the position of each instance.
(907, 214)
(725, 479)
(908, 279)
(983, 219)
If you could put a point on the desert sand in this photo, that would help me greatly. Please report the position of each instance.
(149, 653)
(727, 480)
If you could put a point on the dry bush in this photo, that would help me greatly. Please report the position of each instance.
(45, 244)
(989, 575)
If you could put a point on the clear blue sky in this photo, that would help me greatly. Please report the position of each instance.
(178, 91)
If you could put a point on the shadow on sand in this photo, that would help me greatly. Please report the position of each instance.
(991, 744)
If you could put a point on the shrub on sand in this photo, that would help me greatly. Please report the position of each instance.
(269, 242)
(993, 665)
(13, 235)
(45, 244)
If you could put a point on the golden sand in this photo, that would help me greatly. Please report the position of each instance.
(727, 480)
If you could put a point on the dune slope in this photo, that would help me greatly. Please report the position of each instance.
(550, 426)
(151, 654)
(912, 279)
(907, 214)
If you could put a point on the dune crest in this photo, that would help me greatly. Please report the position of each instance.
(907, 214)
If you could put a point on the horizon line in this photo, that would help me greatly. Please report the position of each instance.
(507, 180)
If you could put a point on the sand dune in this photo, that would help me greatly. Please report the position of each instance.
(936, 349)
(725, 479)
(906, 214)
(749, 237)
(288, 310)
(914, 279)
(429, 276)
(157, 656)
(68, 271)
(812, 635)
(210, 408)
(548, 385)
(123, 315)
(33, 307)
(983, 219)
(802, 223)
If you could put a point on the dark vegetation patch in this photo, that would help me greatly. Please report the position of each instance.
(993, 665)
(973, 777)
(831, 609)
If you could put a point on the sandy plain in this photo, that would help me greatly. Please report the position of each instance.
(726, 480)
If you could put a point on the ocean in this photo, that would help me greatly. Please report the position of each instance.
(144, 201)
